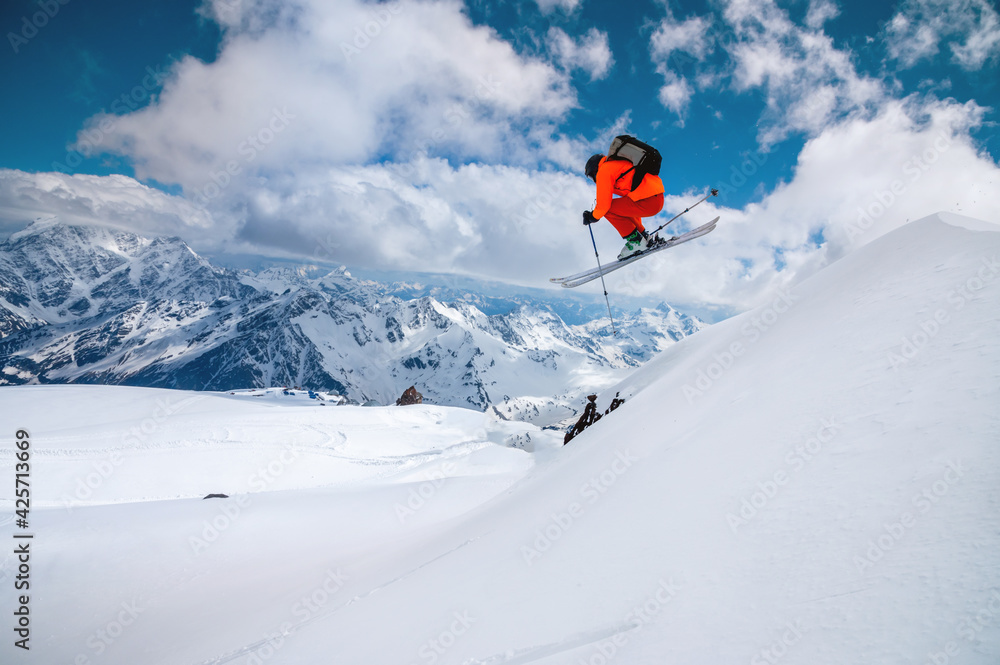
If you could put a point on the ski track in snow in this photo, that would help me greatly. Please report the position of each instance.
(347, 443)
(509, 657)
(529, 654)
(207, 446)
(250, 648)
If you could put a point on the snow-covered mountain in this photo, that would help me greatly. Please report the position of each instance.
(82, 304)
(814, 481)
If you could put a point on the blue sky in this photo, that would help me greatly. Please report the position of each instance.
(81, 61)
(450, 136)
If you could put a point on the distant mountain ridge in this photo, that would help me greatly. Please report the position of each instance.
(82, 304)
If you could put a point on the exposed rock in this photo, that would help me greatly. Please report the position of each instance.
(591, 415)
(410, 396)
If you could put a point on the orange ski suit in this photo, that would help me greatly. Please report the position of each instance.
(626, 212)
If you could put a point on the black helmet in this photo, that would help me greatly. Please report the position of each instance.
(592, 164)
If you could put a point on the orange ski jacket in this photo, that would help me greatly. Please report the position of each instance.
(610, 182)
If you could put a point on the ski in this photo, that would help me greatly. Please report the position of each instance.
(572, 281)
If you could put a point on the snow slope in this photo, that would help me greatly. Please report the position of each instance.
(124, 445)
(816, 481)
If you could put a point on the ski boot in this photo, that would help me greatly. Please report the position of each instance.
(635, 243)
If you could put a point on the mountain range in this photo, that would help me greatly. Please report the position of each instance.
(87, 304)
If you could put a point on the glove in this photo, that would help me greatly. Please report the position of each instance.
(588, 217)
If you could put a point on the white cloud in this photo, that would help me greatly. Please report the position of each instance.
(114, 200)
(491, 221)
(590, 52)
(350, 171)
(340, 82)
(499, 222)
(855, 181)
(549, 6)
(690, 36)
(675, 94)
(821, 11)
(808, 82)
(864, 178)
(673, 45)
(971, 28)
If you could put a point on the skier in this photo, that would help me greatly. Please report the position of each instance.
(625, 212)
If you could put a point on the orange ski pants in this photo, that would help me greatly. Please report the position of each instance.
(626, 215)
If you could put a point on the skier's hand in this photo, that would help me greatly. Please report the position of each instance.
(588, 217)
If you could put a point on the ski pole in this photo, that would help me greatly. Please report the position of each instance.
(714, 192)
(611, 318)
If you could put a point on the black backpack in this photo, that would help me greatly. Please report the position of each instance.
(644, 157)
